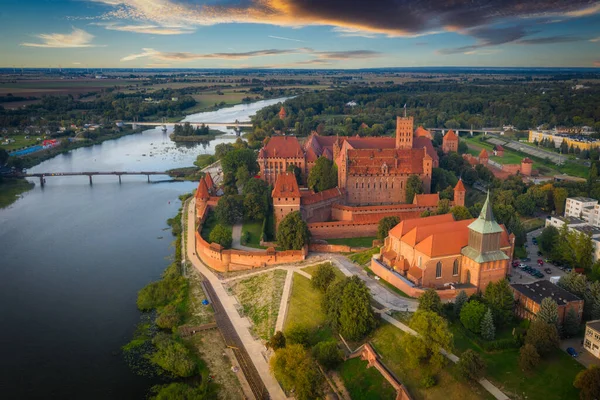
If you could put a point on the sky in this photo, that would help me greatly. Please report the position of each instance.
(299, 33)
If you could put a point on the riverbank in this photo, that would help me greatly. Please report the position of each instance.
(11, 190)
(212, 134)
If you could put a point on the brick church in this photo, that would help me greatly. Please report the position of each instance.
(371, 170)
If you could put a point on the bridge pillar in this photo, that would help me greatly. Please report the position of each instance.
(134, 126)
(119, 179)
(42, 181)
(89, 176)
(148, 178)
(443, 132)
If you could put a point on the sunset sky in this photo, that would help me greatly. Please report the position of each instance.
(299, 33)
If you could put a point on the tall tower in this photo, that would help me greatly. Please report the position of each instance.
(404, 132)
(484, 237)
(459, 194)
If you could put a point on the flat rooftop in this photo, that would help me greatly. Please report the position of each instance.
(584, 199)
(539, 290)
(595, 325)
(589, 229)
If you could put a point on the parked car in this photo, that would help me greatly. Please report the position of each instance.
(515, 264)
(540, 262)
(548, 260)
(548, 271)
(526, 259)
(521, 265)
(572, 352)
(539, 253)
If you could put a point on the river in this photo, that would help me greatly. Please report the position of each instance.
(73, 257)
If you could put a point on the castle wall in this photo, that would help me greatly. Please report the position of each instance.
(317, 211)
(341, 229)
(374, 190)
(403, 211)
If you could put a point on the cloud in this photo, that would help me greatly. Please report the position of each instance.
(344, 55)
(357, 18)
(551, 40)
(596, 63)
(77, 38)
(149, 29)
(285, 38)
(595, 39)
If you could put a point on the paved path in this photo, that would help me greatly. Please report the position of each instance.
(487, 385)
(241, 325)
(237, 239)
(382, 295)
(283, 306)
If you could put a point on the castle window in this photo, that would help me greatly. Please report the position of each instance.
(438, 270)
(357, 185)
(401, 185)
(455, 268)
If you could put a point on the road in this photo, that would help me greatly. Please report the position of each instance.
(519, 276)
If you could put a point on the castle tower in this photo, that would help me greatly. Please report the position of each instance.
(404, 132)
(202, 196)
(286, 196)
(526, 167)
(459, 194)
(450, 142)
(282, 113)
(484, 157)
(210, 184)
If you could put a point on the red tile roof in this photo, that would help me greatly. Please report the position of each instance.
(286, 186)
(427, 200)
(202, 191)
(526, 160)
(450, 135)
(404, 226)
(422, 132)
(415, 272)
(420, 142)
(398, 161)
(209, 181)
(282, 147)
(483, 154)
(321, 196)
(282, 113)
(498, 148)
(460, 187)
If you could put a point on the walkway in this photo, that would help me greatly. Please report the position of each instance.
(241, 325)
(285, 301)
(487, 385)
(237, 239)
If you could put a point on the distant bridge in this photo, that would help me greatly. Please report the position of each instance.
(485, 131)
(235, 124)
(42, 175)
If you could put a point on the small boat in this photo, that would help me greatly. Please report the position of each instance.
(164, 128)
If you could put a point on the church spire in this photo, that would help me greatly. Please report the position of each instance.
(486, 222)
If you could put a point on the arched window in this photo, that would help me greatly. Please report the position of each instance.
(455, 268)
(438, 270)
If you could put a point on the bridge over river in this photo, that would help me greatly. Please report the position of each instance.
(235, 124)
(42, 175)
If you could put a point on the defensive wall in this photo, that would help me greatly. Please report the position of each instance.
(409, 287)
(404, 211)
(227, 260)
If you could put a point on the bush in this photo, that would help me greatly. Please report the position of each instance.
(160, 293)
(471, 365)
(430, 301)
(528, 357)
(297, 334)
(294, 369)
(323, 277)
(277, 341)
(588, 381)
(327, 354)
(222, 235)
(293, 233)
(172, 356)
(428, 381)
(168, 317)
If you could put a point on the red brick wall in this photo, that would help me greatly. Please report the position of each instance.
(283, 206)
(341, 229)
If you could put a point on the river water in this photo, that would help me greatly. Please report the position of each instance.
(73, 257)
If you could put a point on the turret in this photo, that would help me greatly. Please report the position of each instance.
(459, 193)
(404, 132)
(483, 157)
(526, 167)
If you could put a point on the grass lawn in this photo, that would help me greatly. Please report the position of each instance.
(387, 342)
(20, 141)
(354, 242)
(305, 310)
(11, 189)
(260, 297)
(254, 228)
(552, 379)
(365, 383)
(207, 100)
(196, 312)
(313, 268)
(532, 224)
(364, 257)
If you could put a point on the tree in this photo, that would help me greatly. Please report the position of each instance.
(297, 172)
(548, 311)
(430, 301)
(588, 381)
(413, 186)
(327, 354)
(168, 317)
(443, 207)
(434, 335)
(459, 302)
(242, 175)
(543, 336)
(488, 331)
(172, 356)
(528, 357)
(525, 205)
(347, 304)
(323, 175)
(385, 224)
(294, 369)
(548, 240)
(4, 156)
(471, 315)
(229, 210)
(471, 365)
(460, 212)
(293, 233)
(297, 334)
(255, 207)
(499, 297)
(323, 277)
(237, 158)
(277, 341)
(256, 186)
(571, 325)
(560, 198)
(222, 235)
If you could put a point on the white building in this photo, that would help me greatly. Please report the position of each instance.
(580, 207)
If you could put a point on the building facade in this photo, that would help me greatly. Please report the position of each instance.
(574, 140)
(277, 155)
(528, 299)
(450, 142)
(591, 339)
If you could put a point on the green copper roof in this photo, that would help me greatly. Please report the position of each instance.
(486, 222)
(474, 255)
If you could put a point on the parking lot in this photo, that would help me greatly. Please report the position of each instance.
(520, 276)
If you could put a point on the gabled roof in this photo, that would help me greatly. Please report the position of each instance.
(427, 200)
(459, 186)
(404, 226)
(322, 196)
(202, 191)
(286, 186)
(281, 147)
(282, 112)
(483, 154)
(445, 243)
(498, 148)
(209, 181)
(422, 132)
(450, 135)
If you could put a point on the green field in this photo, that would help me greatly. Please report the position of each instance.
(387, 342)
(552, 379)
(354, 242)
(305, 310)
(364, 257)
(365, 383)
(11, 189)
(20, 141)
(207, 100)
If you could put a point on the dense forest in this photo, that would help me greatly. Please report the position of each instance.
(449, 104)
